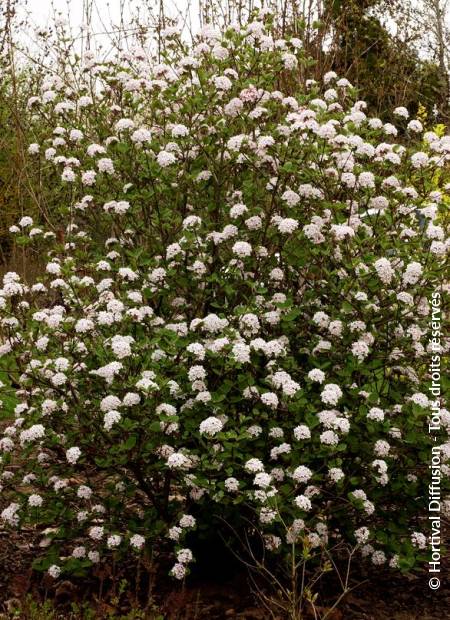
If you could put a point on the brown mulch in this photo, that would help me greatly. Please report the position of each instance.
(386, 597)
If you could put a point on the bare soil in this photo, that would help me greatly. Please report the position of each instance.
(205, 597)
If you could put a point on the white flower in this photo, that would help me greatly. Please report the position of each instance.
(360, 350)
(184, 556)
(378, 558)
(242, 249)
(384, 270)
(287, 225)
(79, 552)
(178, 571)
(37, 431)
(9, 514)
(141, 135)
(35, 500)
(84, 325)
(196, 373)
(235, 142)
(58, 379)
(68, 175)
(241, 352)
(402, 112)
(419, 160)
(231, 485)
(211, 426)
(105, 165)
(130, 399)
(302, 474)
(113, 541)
(331, 394)
(415, 126)
(96, 532)
(249, 323)
(191, 221)
(313, 233)
(179, 131)
(187, 521)
(321, 319)
(270, 399)
(362, 535)
(267, 515)
(108, 372)
(291, 197)
(254, 465)
(123, 124)
(233, 107)
(366, 179)
(419, 540)
(342, 231)
(420, 399)
(381, 448)
(73, 454)
(223, 83)
(84, 492)
(335, 474)
(289, 60)
(121, 346)
(110, 418)
(26, 221)
(375, 413)
(88, 177)
(165, 159)
(254, 223)
(177, 460)
(262, 480)
(329, 438)
(303, 502)
(316, 375)
(110, 402)
(137, 541)
(54, 571)
(412, 273)
(329, 77)
(174, 533)
(302, 432)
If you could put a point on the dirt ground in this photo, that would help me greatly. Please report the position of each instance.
(386, 597)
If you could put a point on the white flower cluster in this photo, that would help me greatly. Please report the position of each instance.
(238, 312)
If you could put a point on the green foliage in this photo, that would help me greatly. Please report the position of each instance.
(32, 610)
(387, 72)
(233, 321)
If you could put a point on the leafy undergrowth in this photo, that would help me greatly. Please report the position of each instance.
(219, 589)
(384, 602)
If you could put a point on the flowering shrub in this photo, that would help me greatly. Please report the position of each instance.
(236, 319)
